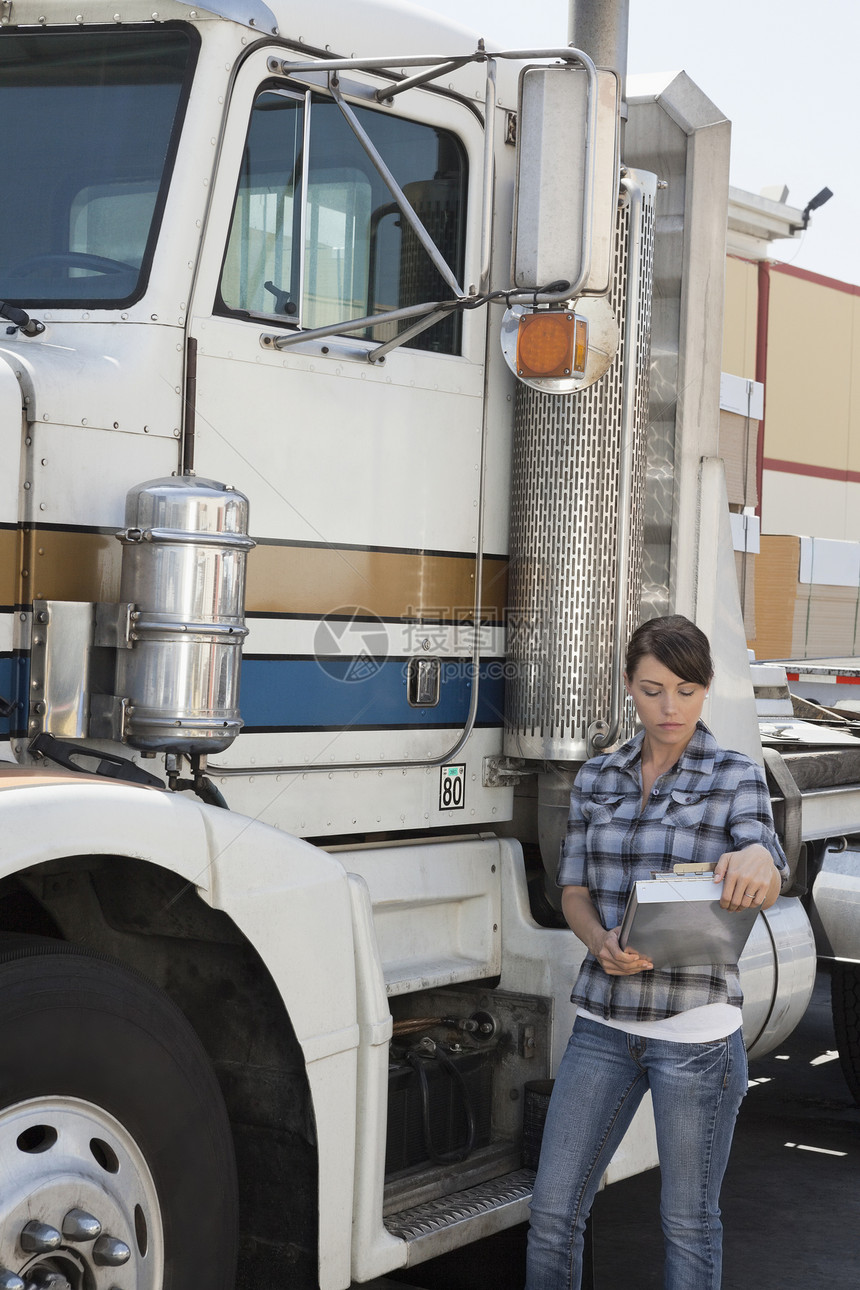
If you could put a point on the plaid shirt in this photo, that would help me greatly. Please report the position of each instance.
(711, 801)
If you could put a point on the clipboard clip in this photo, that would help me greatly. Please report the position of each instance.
(688, 869)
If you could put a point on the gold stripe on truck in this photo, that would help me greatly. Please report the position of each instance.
(61, 565)
(8, 567)
(319, 580)
(311, 581)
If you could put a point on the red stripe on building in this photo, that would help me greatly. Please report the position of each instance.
(817, 472)
(806, 275)
(762, 308)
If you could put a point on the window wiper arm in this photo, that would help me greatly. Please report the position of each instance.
(20, 320)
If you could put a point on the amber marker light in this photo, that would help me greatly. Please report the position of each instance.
(580, 346)
(560, 351)
(551, 343)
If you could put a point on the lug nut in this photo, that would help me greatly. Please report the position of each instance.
(109, 1252)
(78, 1225)
(10, 1280)
(39, 1238)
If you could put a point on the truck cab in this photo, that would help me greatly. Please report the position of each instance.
(315, 580)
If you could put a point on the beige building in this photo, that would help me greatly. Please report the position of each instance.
(790, 435)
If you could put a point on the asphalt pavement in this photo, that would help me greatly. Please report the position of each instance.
(790, 1200)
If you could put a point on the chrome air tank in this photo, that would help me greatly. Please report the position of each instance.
(185, 547)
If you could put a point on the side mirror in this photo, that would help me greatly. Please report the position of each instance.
(567, 178)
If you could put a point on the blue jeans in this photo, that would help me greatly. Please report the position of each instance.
(696, 1091)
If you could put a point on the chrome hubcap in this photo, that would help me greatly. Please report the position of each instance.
(78, 1206)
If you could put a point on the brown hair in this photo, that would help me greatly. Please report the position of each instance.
(676, 643)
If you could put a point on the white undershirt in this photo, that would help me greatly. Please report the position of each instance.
(695, 1026)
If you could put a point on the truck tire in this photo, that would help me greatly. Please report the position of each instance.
(117, 1156)
(845, 998)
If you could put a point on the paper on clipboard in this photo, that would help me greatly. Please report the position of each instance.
(675, 920)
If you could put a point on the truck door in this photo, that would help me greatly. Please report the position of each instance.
(364, 478)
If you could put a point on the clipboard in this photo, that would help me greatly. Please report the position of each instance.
(675, 919)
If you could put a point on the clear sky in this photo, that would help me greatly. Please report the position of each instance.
(782, 71)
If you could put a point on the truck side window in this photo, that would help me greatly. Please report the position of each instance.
(91, 120)
(261, 268)
(359, 255)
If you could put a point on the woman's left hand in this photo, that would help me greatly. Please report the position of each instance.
(750, 878)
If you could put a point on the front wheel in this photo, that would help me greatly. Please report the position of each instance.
(116, 1158)
(845, 998)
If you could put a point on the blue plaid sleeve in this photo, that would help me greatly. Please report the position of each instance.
(750, 819)
(573, 864)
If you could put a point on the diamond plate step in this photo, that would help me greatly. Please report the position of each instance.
(440, 1225)
(383, 1283)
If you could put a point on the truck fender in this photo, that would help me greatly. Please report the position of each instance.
(288, 898)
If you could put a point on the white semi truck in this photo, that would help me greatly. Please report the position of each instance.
(340, 347)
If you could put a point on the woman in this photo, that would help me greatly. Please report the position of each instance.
(671, 794)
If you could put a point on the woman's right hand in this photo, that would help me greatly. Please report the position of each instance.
(582, 919)
(618, 962)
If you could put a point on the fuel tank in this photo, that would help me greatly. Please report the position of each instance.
(777, 975)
